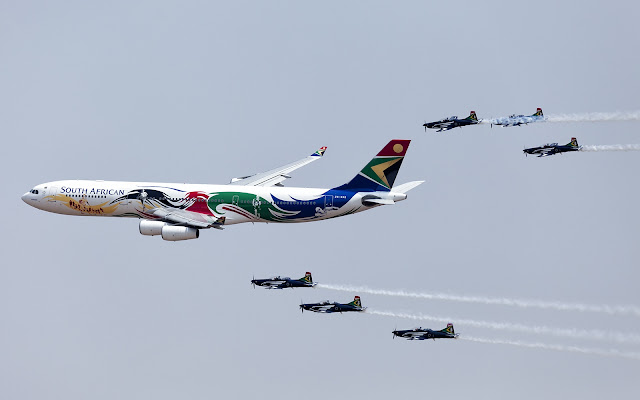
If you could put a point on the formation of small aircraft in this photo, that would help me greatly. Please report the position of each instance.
(512, 120)
(329, 307)
(278, 282)
(452, 122)
(550, 149)
(423, 334)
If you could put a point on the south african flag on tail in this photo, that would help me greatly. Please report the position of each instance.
(448, 329)
(380, 173)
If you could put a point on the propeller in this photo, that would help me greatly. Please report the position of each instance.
(301, 307)
(253, 281)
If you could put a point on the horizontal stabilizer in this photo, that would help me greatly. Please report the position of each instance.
(405, 187)
(379, 201)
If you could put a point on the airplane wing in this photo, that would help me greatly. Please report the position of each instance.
(273, 284)
(448, 127)
(278, 175)
(323, 308)
(443, 126)
(187, 218)
(548, 152)
(417, 335)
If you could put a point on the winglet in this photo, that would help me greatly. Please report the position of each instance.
(320, 152)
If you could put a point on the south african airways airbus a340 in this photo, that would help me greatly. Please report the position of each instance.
(178, 211)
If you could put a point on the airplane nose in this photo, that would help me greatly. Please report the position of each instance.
(25, 197)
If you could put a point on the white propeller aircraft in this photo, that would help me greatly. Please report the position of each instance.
(178, 211)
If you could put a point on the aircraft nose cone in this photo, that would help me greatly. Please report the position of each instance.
(25, 197)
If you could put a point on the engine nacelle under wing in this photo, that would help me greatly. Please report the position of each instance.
(175, 233)
(151, 228)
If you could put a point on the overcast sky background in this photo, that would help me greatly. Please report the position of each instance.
(202, 92)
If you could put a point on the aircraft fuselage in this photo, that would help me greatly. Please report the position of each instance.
(236, 203)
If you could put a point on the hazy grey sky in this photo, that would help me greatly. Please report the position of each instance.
(202, 92)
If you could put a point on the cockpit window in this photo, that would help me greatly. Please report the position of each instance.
(34, 191)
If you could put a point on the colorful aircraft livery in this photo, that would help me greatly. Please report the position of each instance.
(178, 211)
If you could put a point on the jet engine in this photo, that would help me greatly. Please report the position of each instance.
(175, 233)
(151, 228)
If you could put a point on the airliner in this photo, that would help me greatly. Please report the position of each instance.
(178, 211)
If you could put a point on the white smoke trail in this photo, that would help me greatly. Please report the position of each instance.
(511, 121)
(612, 147)
(538, 330)
(524, 303)
(595, 117)
(556, 347)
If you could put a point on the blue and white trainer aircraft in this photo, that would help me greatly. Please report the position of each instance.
(518, 120)
(178, 211)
